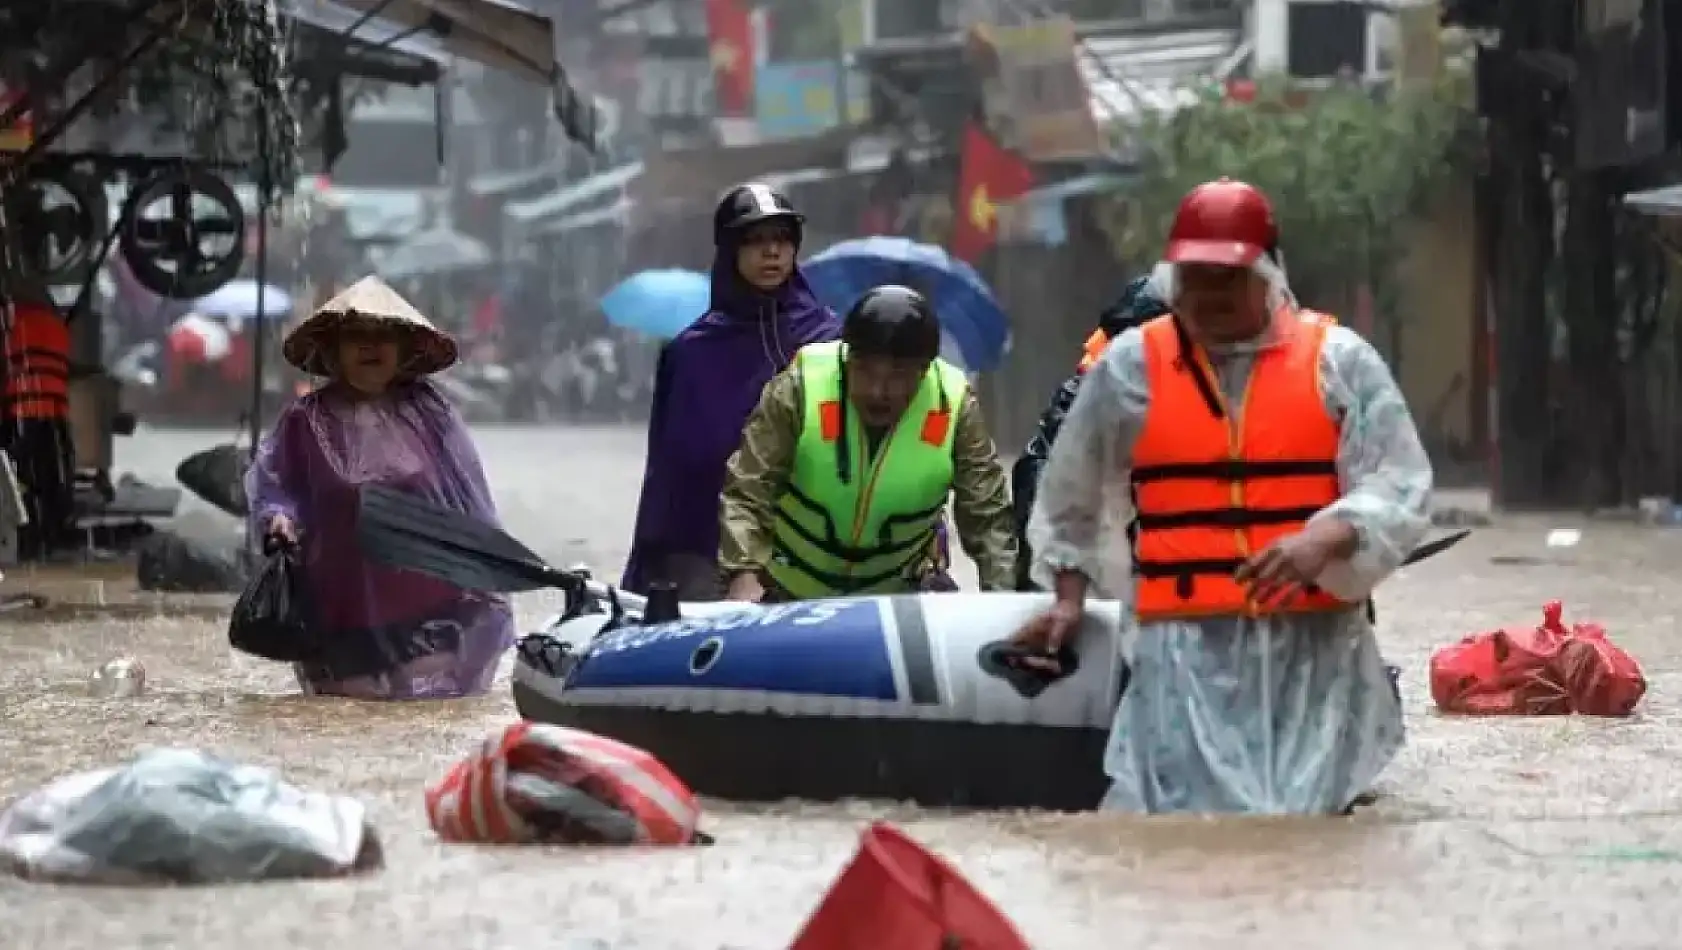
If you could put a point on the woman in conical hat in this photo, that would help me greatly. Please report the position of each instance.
(377, 420)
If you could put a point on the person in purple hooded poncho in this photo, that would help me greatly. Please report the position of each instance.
(388, 634)
(708, 381)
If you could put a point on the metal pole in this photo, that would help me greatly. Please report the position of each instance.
(259, 331)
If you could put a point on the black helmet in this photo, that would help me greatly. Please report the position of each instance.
(892, 321)
(744, 206)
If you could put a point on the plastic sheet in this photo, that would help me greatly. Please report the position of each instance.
(1550, 670)
(388, 634)
(533, 783)
(1287, 714)
(273, 616)
(180, 816)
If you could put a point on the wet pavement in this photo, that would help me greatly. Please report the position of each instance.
(1530, 833)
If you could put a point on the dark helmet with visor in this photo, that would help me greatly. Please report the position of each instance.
(744, 206)
(892, 321)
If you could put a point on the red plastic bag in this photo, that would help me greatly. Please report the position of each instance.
(896, 895)
(538, 783)
(1549, 670)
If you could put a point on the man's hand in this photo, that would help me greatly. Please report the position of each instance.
(746, 587)
(1048, 632)
(1280, 571)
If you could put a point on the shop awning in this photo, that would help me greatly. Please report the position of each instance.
(575, 195)
(331, 18)
(496, 33)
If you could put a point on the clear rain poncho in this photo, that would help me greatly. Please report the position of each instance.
(1285, 714)
(390, 634)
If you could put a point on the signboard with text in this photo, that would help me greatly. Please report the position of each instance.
(1036, 100)
(797, 99)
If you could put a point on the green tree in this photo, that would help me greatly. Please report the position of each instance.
(1346, 170)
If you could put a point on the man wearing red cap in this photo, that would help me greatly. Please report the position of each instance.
(1276, 477)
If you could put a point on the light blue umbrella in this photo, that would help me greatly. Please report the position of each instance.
(660, 303)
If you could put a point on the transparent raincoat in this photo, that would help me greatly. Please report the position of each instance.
(1283, 714)
(390, 634)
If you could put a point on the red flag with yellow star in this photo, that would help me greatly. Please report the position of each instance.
(989, 175)
(731, 47)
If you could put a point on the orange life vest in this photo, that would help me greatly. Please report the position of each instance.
(1212, 489)
(37, 364)
(1094, 348)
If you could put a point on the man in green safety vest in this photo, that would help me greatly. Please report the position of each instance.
(847, 463)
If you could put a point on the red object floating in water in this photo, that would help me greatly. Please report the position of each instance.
(1550, 670)
(896, 895)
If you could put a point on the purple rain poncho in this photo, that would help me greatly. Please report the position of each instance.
(708, 382)
(390, 634)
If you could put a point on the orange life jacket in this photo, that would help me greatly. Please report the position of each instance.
(37, 364)
(1094, 348)
(1211, 490)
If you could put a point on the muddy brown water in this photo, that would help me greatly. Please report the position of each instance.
(1515, 833)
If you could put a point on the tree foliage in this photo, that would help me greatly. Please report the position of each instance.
(1345, 168)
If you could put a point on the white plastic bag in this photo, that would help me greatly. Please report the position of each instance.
(181, 816)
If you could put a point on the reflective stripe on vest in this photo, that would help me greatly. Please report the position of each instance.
(867, 534)
(1210, 491)
(1092, 350)
(37, 351)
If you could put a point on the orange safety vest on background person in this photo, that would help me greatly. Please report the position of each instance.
(1092, 350)
(37, 364)
(1212, 491)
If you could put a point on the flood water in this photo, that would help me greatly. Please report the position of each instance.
(1530, 833)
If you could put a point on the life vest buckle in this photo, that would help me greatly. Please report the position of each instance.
(1185, 585)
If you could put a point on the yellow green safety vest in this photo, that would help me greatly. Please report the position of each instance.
(867, 534)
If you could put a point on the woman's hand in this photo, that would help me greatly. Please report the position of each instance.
(1050, 631)
(282, 530)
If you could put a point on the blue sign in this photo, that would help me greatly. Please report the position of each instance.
(815, 648)
(795, 100)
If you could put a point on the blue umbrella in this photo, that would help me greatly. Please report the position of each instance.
(968, 313)
(660, 303)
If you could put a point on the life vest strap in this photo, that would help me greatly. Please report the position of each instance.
(1233, 470)
(1158, 570)
(1224, 518)
(833, 545)
(30, 354)
(12, 399)
(841, 583)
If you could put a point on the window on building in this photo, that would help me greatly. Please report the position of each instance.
(1325, 39)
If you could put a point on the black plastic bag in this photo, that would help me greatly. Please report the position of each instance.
(273, 618)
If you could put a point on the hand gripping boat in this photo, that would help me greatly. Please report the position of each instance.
(915, 698)
(910, 698)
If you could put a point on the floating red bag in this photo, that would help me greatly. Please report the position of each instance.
(895, 895)
(538, 783)
(1549, 670)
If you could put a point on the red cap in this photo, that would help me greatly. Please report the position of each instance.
(1222, 222)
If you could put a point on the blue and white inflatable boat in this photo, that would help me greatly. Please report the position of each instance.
(899, 698)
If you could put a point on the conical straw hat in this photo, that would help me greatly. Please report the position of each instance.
(368, 299)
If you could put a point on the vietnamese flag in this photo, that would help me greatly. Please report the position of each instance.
(730, 39)
(988, 175)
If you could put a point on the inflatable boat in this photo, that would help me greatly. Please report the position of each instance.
(916, 698)
(903, 698)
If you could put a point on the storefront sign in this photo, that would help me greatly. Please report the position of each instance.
(1037, 102)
